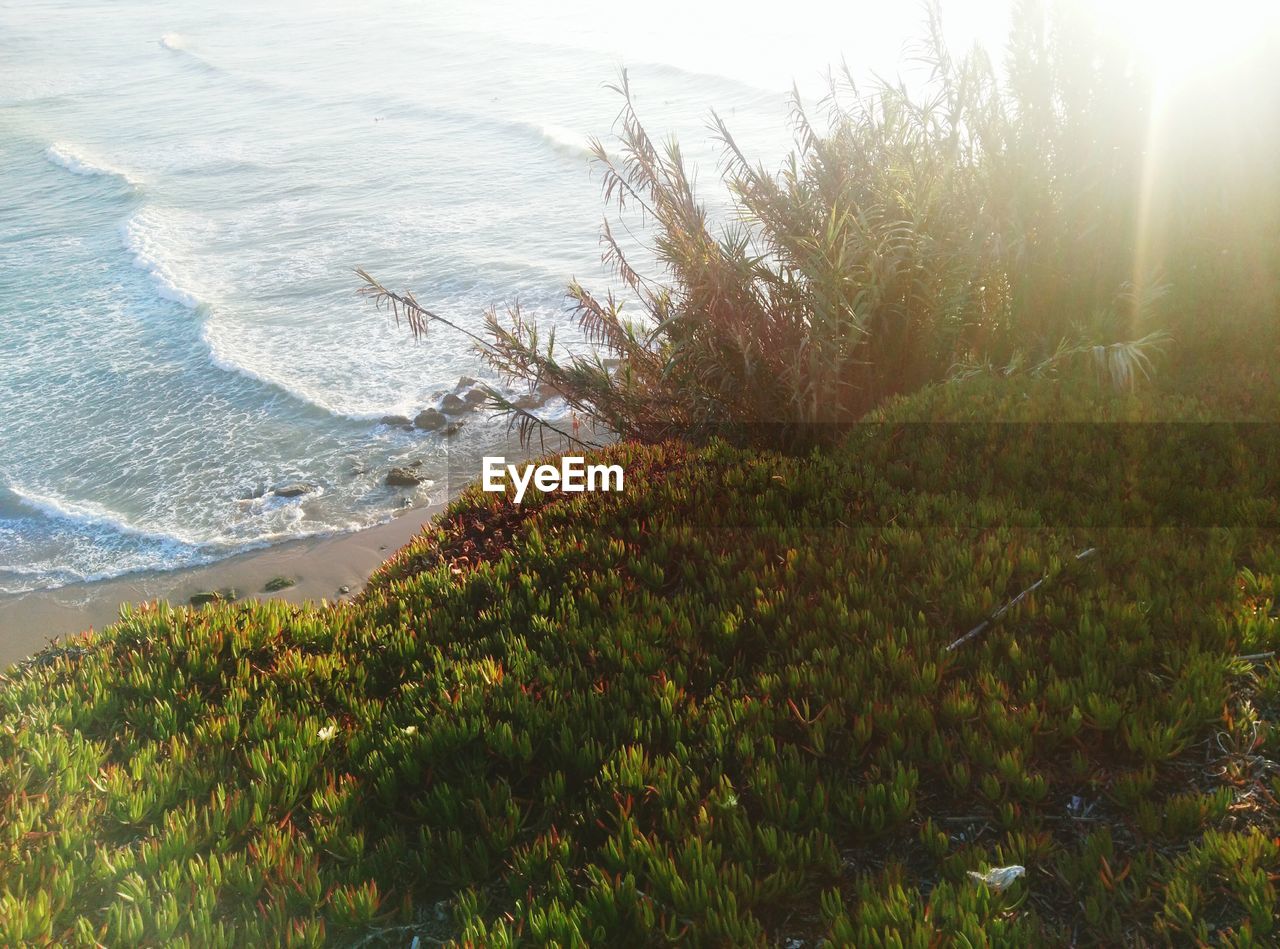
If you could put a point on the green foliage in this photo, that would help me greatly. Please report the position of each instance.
(637, 718)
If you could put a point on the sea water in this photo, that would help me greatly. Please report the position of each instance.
(186, 189)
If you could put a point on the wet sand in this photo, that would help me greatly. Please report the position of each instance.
(320, 567)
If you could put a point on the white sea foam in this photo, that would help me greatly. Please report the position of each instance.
(52, 574)
(225, 357)
(144, 236)
(177, 44)
(233, 353)
(565, 140)
(78, 163)
(96, 543)
(89, 515)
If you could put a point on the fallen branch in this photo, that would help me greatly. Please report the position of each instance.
(995, 617)
(1257, 657)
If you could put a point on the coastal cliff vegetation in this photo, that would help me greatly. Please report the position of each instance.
(949, 544)
(660, 716)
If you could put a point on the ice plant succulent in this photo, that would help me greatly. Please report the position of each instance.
(649, 716)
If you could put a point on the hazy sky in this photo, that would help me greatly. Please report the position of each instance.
(770, 44)
(765, 44)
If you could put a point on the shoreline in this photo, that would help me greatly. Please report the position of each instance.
(320, 567)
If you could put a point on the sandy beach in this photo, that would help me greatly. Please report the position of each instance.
(320, 568)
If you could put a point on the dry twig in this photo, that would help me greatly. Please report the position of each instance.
(995, 617)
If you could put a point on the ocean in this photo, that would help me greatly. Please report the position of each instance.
(186, 189)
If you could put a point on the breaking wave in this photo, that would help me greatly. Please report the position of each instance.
(78, 163)
(142, 238)
(89, 515)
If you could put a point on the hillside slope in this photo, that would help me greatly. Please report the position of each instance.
(719, 707)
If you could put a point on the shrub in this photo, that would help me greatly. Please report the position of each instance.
(982, 222)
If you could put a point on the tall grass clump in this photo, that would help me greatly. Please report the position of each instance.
(1052, 209)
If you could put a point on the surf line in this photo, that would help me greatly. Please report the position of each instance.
(573, 474)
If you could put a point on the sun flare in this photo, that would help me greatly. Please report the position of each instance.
(1182, 39)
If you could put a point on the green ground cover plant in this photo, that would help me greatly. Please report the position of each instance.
(719, 708)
